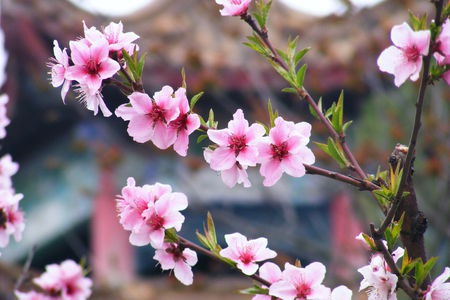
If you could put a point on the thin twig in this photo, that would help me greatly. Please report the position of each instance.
(26, 268)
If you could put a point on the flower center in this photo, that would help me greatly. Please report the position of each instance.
(92, 67)
(303, 290)
(3, 219)
(176, 251)
(279, 151)
(237, 143)
(71, 289)
(412, 54)
(246, 257)
(157, 114)
(180, 122)
(155, 222)
(236, 2)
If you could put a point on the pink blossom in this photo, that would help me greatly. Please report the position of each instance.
(442, 47)
(93, 99)
(91, 64)
(3, 58)
(148, 210)
(237, 148)
(446, 77)
(439, 289)
(32, 295)
(378, 279)
(4, 120)
(341, 293)
(118, 39)
(66, 279)
(11, 217)
(271, 273)
(149, 118)
(59, 64)
(7, 169)
(284, 150)
(404, 59)
(301, 283)
(113, 34)
(159, 216)
(233, 7)
(246, 253)
(235, 174)
(173, 256)
(185, 124)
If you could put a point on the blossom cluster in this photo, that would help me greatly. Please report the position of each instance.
(404, 58)
(93, 59)
(241, 146)
(65, 281)
(11, 216)
(165, 119)
(148, 211)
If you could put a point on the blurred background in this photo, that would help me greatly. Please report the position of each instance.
(72, 164)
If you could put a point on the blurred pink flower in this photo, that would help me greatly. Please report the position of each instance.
(284, 150)
(404, 59)
(172, 256)
(442, 54)
(4, 120)
(246, 253)
(149, 118)
(233, 7)
(341, 293)
(301, 283)
(446, 77)
(11, 217)
(439, 289)
(7, 169)
(59, 64)
(32, 295)
(66, 279)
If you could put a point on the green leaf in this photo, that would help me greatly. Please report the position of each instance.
(194, 100)
(140, 65)
(272, 114)
(290, 90)
(336, 153)
(211, 229)
(255, 43)
(255, 290)
(313, 112)
(299, 55)
(370, 242)
(201, 138)
(284, 56)
(301, 76)
(262, 11)
(422, 270)
(171, 235)
(337, 115)
(202, 239)
(346, 125)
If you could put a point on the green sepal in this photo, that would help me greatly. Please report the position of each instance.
(194, 100)
(201, 138)
(255, 290)
(170, 235)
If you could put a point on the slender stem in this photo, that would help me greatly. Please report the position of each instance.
(303, 94)
(402, 282)
(195, 247)
(417, 124)
(26, 268)
(361, 184)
